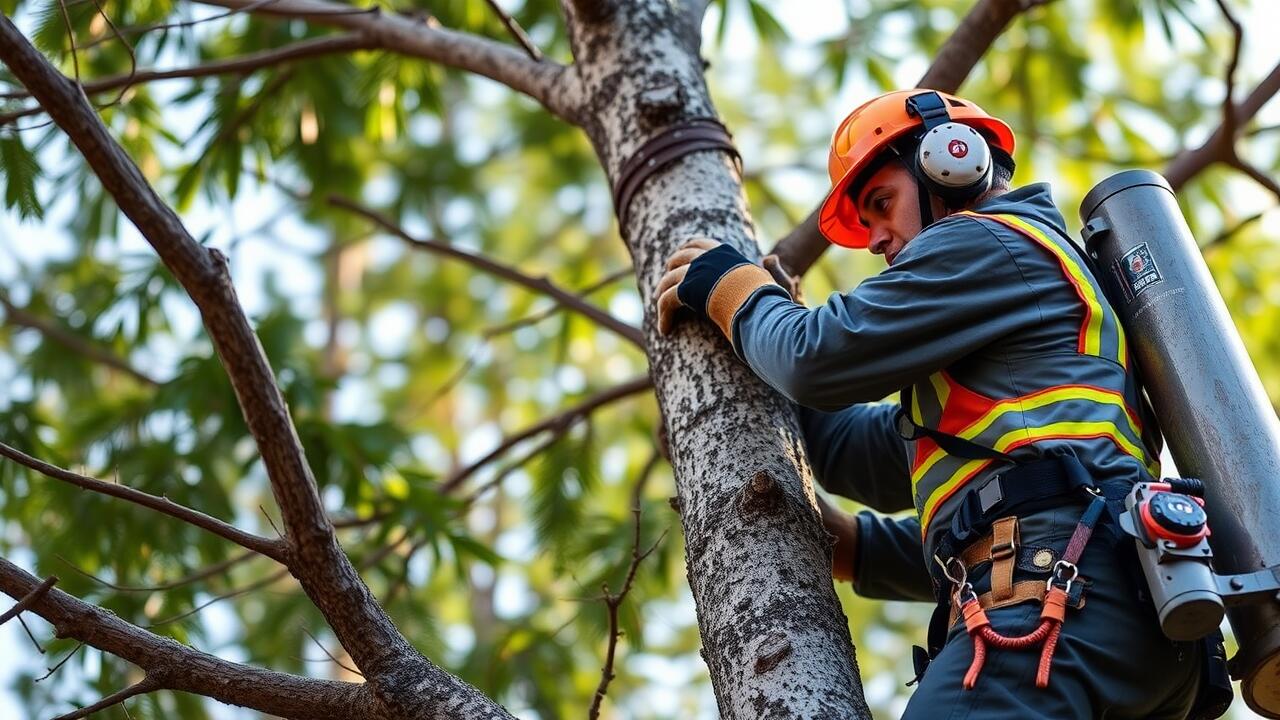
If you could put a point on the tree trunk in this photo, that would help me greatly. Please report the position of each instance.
(775, 638)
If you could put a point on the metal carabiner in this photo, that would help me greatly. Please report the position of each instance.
(963, 588)
(1060, 570)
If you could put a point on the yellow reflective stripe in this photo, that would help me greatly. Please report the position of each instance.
(1059, 430)
(916, 416)
(1093, 333)
(1031, 402)
(942, 389)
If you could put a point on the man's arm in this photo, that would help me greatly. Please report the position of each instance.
(857, 453)
(952, 290)
(881, 556)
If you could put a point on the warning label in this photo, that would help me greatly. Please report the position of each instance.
(1137, 271)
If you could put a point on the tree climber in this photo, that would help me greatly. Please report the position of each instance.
(1020, 429)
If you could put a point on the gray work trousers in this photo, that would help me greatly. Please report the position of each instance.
(1112, 660)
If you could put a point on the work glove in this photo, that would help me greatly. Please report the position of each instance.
(711, 279)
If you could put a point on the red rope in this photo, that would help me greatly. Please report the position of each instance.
(979, 628)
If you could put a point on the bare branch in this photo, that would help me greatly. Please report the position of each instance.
(203, 574)
(613, 602)
(544, 81)
(243, 64)
(27, 601)
(335, 660)
(957, 57)
(516, 31)
(271, 548)
(142, 29)
(71, 341)
(143, 686)
(562, 419)
(541, 285)
(174, 666)
(1227, 233)
(271, 579)
(493, 482)
(1257, 175)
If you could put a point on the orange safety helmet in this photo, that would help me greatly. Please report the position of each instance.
(869, 131)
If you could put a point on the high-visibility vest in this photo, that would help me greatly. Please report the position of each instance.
(1087, 400)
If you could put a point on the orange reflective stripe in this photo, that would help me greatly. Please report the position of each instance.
(1018, 438)
(1090, 342)
(1023, 403)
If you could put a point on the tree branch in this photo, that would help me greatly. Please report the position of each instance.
(271, 548)
(544, 81)
(613, 602)
(957, 57)
(541, 285)
(243, 64)
(404, 678)
(586, 407)
(174, 666)
(516, 31)
(69, 340)
(1256, 174)
(143, 686)
(28, 600)
(195, 577)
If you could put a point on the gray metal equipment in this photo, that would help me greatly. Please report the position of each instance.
(1216, 417)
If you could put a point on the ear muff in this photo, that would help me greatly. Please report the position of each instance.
(952, 160)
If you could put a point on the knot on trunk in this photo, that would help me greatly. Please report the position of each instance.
(674, 502)
(660, 102)
(772, 651)
(762, 495)
(594, 12)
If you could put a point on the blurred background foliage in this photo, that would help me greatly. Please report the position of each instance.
(402, 367)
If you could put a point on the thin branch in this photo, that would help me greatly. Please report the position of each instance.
(1256, 174)
(175, 666)
(1219, 146)
(957, 57)
(540, 285)
(203, 574)
(504, 473)
(544, 81)
(243, 64)
(143, 686)
(516, 31)
(28, 600)
(560, 420)
(237, 592)
(58, 666)
(335, 660)
(69, 340)
(271, 548)
(143, 29)
(613, 602)
(1227, 233)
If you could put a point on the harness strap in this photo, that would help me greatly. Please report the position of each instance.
(909, 429)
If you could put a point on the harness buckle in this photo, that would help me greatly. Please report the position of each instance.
(1063, 572)
(1004, 551)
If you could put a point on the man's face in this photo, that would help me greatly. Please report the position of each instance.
(889, 206)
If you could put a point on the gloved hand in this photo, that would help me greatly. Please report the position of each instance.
(710, 278)
(844, 554)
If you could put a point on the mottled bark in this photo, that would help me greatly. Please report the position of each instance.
(758, 561)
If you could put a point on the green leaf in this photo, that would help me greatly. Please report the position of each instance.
(20, 170)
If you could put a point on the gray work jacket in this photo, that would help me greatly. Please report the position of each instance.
(1005, 338)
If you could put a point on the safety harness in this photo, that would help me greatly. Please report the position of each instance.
(992, 508)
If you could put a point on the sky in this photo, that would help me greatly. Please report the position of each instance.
(810, 21)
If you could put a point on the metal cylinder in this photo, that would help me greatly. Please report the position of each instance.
(1216, 417)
